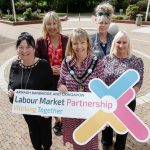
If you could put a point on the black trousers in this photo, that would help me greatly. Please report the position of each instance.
(40, 131)
(107, 134)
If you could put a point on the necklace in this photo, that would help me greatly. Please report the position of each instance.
(80, 80)
(22, 76)
(28, 67)
(103, 44)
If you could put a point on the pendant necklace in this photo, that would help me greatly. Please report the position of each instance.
(103, 44)
(22, 76)
(87, 73)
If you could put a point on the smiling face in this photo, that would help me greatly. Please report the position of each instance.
(122, 46)
(52, 27)
(79, 46)
(25, 51)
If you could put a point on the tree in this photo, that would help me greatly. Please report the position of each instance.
(34, 5)
(133, 1)
(4, 6)
(131, 11)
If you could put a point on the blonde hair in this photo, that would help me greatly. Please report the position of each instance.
(117, 36)
(52, 15)
(75, 35)
(104, 10)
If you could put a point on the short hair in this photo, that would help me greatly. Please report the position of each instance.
(52, 15)
(117, 36)
(27, 37)
(104, 10)
(75, 35)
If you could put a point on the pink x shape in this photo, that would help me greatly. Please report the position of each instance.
(135, 126)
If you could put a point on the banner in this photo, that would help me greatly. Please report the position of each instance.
(104, 105)
(53, 103)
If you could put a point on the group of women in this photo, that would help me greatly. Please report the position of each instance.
(41, 66)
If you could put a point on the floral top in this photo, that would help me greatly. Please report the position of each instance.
(55, 55)
(115, 67)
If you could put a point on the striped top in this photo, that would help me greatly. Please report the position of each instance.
(68, 80)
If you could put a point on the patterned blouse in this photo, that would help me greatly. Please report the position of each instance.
(115, 67)
(55, 55)
(70, 124)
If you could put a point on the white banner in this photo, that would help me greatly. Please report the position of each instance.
(53, 103)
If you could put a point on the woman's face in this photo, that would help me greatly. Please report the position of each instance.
(52, 27)
(122, 45)
(25, 52)
(79, 47)
(103, 24)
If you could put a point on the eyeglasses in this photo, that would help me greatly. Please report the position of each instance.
(103, 14)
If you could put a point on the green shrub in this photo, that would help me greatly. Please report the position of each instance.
(132, 11)
(28, 15)
(118, 17)
(43, 6)
(10, 17)
(21, 6)
(35, 16)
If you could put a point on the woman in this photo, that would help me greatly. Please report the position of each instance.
(102, 39)
(120, 59)
(79, 67)
(51, 46)
(32, 73)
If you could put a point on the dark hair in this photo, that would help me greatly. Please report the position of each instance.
(25, 36)
(103, 14)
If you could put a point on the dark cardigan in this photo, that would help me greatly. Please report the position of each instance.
(42, 51)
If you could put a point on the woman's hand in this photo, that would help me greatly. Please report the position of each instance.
(62, 89)
(56, 70)
(10, 93)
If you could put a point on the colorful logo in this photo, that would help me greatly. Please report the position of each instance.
(117, 115)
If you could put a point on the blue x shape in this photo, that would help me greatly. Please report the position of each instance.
(120, 86)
